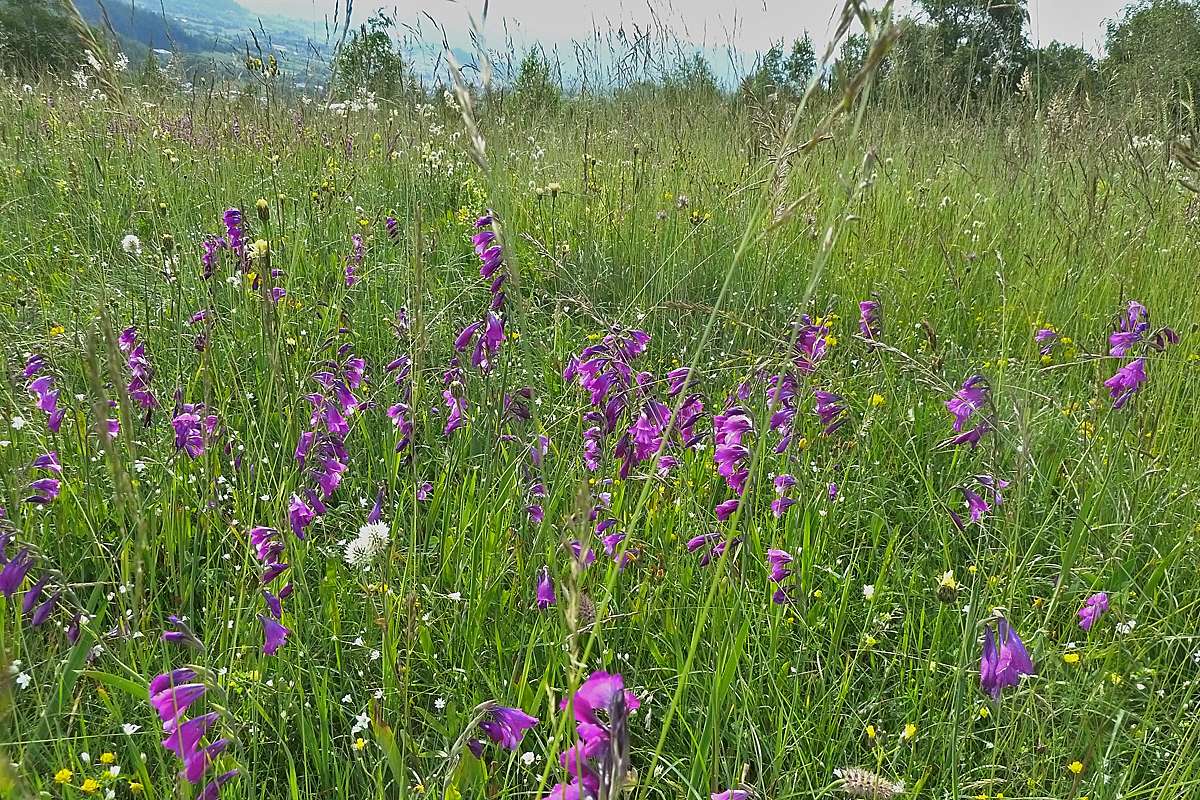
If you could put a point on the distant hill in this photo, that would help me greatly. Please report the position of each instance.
(219, 29)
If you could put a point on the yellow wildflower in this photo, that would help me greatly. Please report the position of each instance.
(57, 330)
(910, 731)
(1075, 767)
(64, 775)
(89, 786)
(1071, 658)
(108, 758)
(877, 400)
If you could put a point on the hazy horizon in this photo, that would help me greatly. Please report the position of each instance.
(705, 23)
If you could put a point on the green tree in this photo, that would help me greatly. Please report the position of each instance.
(981, 44)
(535, 86)
(36, 38)
(850, 60)
(767, 77)
(369, 62)
(800, 65)
(1059, 69)
(1153, 50)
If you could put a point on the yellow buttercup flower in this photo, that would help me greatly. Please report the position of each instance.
(57, 330)
(108, 758)
(135, 787)
(360, 744)
(1071, 658)
(910, 731)
(89, 786)
(1075, 767)
(64, 775)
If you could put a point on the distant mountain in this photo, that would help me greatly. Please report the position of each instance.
(205, 28)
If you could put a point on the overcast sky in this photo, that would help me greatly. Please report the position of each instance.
(751, 25)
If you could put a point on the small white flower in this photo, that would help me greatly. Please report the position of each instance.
(23, 680)
(869, 591)
(1125, 628)
(455, 596)
(528, 757)
(114, 770)
(17, 423)
(129, 729)
(439, 703)
(131, 245)
(361, 723)
(85, 757)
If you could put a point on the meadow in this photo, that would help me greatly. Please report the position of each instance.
(343, 432)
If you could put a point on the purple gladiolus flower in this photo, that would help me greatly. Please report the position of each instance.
(48, 462)
(457, 408)
(778, 561)
(812, 344)
(725, 510)
(545, 590)
(197, 762)
(32, 595)
(274, 634)
(43, 389)
(183, 739)
(192, 430)
(181, 634)
(13, 574)
(176, 677)
(1004, 659)
(139, 369)
(43, 611)
(970, 398)
(576, 548)
(1132, 327)
(212, 789)
(354, 260)
(44, 490)
(300, 515)
(730, 794)
(424, 491)
(213, 246)
(1046, 339)
(868, 319)
(234, 234)
(830, 410)
(677, 380)
(1093, 608)
(780, 505)
(506, 726)
(1126, 382)
(173, 701)
(393, 228)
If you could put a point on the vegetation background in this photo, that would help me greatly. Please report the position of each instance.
(980, 188)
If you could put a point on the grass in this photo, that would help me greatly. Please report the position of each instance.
(972, 238)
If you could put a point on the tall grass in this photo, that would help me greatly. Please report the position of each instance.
(701, 223)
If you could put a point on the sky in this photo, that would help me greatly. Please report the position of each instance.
(752, 25)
